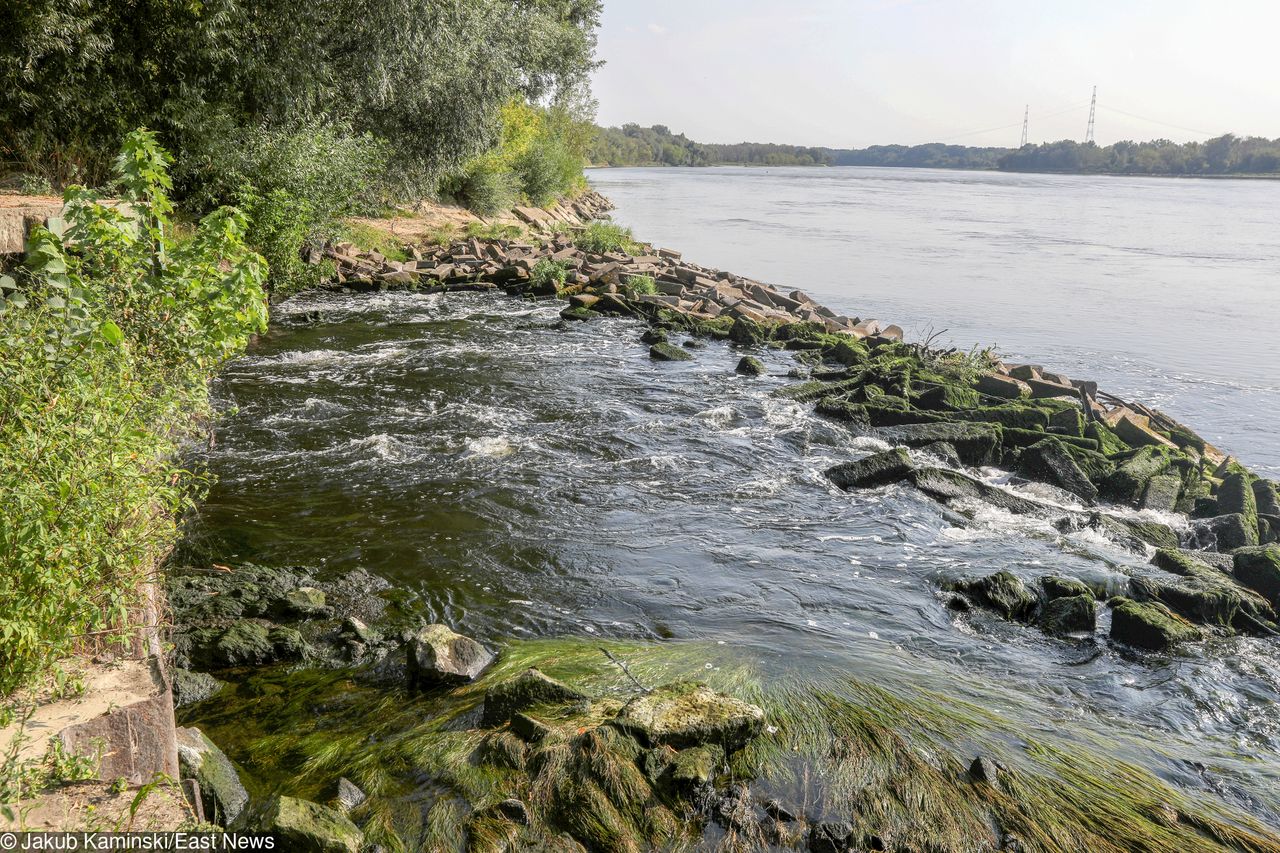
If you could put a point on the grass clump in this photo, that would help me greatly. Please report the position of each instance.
(372, 238)
(642, 284)
(601, 237)
(107, 340)
(494, 231)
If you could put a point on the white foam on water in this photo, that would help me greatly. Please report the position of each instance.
(493, 447)
(720, 416)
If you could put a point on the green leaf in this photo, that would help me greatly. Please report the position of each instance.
(111, 332)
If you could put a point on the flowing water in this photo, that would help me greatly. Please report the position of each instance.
(524, 478)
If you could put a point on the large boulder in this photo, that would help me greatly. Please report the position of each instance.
(889, 466)
(1266, 498)
(947, 485)
(1003, 592)
(1224, 532)
(687, 714)
(1258, 568)
(1072, 614)
(1161, 493)
(1127, 483)
(749, 365)
(977, 443)
(1148, 625)
(527, 690)
(222, 795)
(438, 655)
(307, 827)
(666, 352)
(1236, 497)
(1049, 462)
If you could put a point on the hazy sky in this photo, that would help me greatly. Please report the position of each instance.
(850, 73)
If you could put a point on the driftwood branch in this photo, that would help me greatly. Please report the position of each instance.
(622, 665)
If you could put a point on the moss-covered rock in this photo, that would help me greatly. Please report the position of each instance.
(666, 352)
(222, 794)
(1127, 483)
(1235, 497)
(1060, 587)
(1049, 462)
(945, 396)
(1014, 437)
(1003, 592)
(1016, 416)
(1258, 567)
(1225, 532)
(977, 443)
(946, 485)
(750, 366)
(748, 332)
(846, 351)
(1266, 497)
(576, 313)
(307, 827)
(1148, 625)
(527, 690)
(1071, 614)
(686, 714)
(888, 466)
(842, 409)
(1108, 442)
(1162, 493)
(697, 766)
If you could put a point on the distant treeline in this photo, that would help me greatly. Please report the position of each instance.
(633, 145)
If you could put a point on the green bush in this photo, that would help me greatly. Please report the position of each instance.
(107, 340)
(485, 187)
(547, 271)
(643, 284)
(547, 170)
(601, 237)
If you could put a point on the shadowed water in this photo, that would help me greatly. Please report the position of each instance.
(525, 478)
(1161, 289)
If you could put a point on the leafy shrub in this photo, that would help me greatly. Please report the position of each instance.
(547, 271)
(107, 341)
(485, 186)
(601, 237)
(547, 170)
(280, 228)
(643, 284)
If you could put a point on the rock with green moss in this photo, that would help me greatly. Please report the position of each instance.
(1049, 462)
(1071, 614)
(1067, 421)
(1266, 497)
(747, 332)
(667, 352)
(841, 409)
(845, 351)
(222, 795)
(1162, 493)
(304, 602)
(1148, 625)
(1012, 415)
(1060, 587)
(686, 714)
(1236, 497)
(576, 313)
(1132, 533)
(529, 689)
(946, 397)
(1258, 567)
(750, 366)
(307, 827)
(1014, 437)
(1225, 532)
(977, 443)
(946, 485)
(1108, 442)
(245, 643)
(1003, 592)
(698, 765)
(1127, 483)
(192, 687)
(438, 655)
(878, 469)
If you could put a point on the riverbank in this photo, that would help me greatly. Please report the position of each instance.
(862, 380)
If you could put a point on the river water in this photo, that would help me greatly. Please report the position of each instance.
(1167, 290)
(525, 478)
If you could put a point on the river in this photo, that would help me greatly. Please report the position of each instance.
(524, 478)
(1161, 289)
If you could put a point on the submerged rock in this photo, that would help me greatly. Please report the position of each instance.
(831, 836)
(1057, 587)
(1002, 592)
(307, 827)
(688, 714)
(192, 687)
(750, 366)
(222, 795)
(947, 485)
(438, 655)
(1148, 625)
(666, 352)
(878, 469)
(977, 443)
(1071, 614)
(527, 690)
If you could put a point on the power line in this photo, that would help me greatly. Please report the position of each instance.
(1157, 121)
(1093, 109)
(1026, 117)
(1008, 126)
